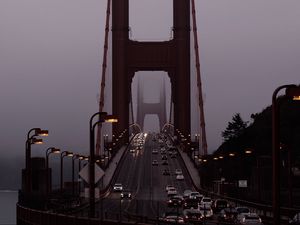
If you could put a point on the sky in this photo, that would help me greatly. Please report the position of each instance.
(51, 57)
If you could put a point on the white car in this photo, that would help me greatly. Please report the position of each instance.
(252, 218)
(178, 171)
(168, 187)
(172, 191)
(154, 151)
(206, 211)
(206, 201)
(118, 187)
(173, 219)
(179, 177)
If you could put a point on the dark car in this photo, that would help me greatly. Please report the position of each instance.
(228, 215)
(164, 157)
(165, 162)
(175, 201)
(126, 194)
(220, 204)
(191, 203)
(193, 216)
(166, 172)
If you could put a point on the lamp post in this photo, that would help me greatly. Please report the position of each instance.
(75, 156)
(48, 152)
(293, 92)
(62, 155)
(103, 117)
(85, 158)
(29, 141)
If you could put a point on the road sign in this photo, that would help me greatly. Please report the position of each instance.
(243, 183)
(84, 173)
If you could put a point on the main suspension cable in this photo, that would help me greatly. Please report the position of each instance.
(104, 66)
(199, 83)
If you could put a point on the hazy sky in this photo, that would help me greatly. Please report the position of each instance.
(51, 55)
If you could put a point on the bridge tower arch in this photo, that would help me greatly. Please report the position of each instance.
(171, 56)
(158, 108)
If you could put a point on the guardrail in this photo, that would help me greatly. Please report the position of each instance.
(27, 216)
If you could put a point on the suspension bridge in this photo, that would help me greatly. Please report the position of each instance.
(135, 176)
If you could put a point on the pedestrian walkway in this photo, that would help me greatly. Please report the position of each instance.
(109, 172)
(194, 173)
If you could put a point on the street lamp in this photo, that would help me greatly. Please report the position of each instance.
(62, 155)
(29, 141)
(103, 117)
(292, 92)
(84, 158)
(48, 152)
(75, 156)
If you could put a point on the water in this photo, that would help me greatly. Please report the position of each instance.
(8, 200)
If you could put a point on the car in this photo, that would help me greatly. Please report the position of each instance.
(251, 218)
(154, 162)
(154, 151)
(242, 211)
(192, 216)
(173, 156)
(164, 157)
(295, 220)
(206, 201)
(178, 171)
(228, 215)
(165, 162)
(166, 172)
(168, 187)
(163, 152)
(172, 191)
(118, 187)
(179, 177)
(220, 204)
(132, 150)
(125, 194)
(196, 195)
(191, 203)
(175, 200)
(206, 211)
(173, 219)
(187, 193)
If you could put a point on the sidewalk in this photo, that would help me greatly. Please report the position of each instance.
(191, 168)
(109, 172)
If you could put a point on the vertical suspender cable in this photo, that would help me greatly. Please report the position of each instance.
(104, 66)
(199, 85)
(131, 107)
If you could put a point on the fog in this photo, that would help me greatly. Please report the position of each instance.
(51, 56)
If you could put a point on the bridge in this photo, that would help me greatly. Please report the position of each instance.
(155, 178)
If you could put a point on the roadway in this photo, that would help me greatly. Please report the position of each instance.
(146, 182)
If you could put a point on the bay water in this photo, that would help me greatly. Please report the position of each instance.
(8, 200)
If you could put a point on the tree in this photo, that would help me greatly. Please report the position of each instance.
(234, 128)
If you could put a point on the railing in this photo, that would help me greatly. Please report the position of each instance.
(26, 216)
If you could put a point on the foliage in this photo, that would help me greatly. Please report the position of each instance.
(235, 128)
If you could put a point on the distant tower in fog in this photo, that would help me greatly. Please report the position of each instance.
(144, 109)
